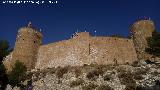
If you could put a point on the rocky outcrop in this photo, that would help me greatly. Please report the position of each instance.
(9, 87)
(98, 77)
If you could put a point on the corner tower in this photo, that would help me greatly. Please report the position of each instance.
(140, 31)
(27, 44)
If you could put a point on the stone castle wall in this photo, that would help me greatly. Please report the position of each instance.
(86, 50)
(112, 50)
(68, 52)
(80, 49)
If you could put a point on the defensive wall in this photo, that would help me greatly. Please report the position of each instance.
(81, 49)
(85, 49)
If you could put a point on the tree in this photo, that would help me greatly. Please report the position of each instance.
(154, 44)
(3, 77)
(17, 73)
(4, 49)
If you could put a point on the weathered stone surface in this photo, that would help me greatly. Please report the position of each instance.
(80, 49)
(141, 30)
(86, 50)
(9, 87)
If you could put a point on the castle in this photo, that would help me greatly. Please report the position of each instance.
(81, 49)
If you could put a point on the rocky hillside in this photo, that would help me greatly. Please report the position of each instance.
(139, 76)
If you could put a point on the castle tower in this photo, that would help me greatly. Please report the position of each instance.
(140, 31)
(26, 47)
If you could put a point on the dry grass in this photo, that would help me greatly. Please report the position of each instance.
(76, 83)
(104, 87)
(60, 71)
(107, 77)
(90, 86)
(92, 75)
(77, 71)
(127, 78)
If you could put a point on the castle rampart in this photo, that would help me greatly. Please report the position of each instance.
(81, 49)
(100, 50)
(112, 50)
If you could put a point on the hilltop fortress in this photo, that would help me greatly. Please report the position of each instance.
(81, 49)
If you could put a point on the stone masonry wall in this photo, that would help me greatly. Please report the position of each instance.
(86, 50)
(68, 52)
(112, 50)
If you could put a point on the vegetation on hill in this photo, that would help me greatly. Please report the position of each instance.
(4, 51)
(154, 44)
(18, 70)
(98, 77)
(3, 77)
(17, 73)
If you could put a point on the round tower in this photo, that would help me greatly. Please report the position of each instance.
(27, 44)
(140, 31)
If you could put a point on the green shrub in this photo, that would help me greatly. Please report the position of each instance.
(2, 69)
(138, 77)
(154, 44)
(60, 71)
(76, 83)
(155, 73)
(53, 70)
(105, 67)
(84, 65)
(104, 87)
(141, 71)
(77, 71)
(121, 69)
(140, 88)
(130, 87)
(90, 86)
(3, 77)
(17, 73)
(28, 76)
(126, 78)
(107, 78)
(4, 49)
(102, 68)
(92, 75)
(135, 64)
(93, 65)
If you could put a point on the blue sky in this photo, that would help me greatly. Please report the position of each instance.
(59, 21)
